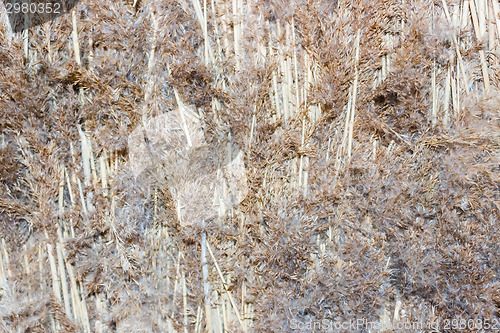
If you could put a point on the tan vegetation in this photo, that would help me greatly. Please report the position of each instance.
(370, 134)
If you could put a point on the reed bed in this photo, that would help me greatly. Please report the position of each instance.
(369, 133)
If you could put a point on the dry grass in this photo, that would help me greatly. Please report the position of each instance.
(370, 133)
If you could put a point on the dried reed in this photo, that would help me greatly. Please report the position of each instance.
(369, 136)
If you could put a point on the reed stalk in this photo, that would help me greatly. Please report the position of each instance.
(354, 95)
(206, 286)
(478, 22)
(76, 42)
(298, 84)
(225, 286)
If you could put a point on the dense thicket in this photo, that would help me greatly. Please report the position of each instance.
(370, 131)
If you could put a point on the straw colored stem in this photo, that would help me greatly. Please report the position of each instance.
(354, 94)
(206, 286)
(477, 29)
(224, 284)
(64, 283)
(76, 45)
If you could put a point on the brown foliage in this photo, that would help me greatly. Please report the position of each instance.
(411, 217)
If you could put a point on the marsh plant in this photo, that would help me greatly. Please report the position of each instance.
(242, 165)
